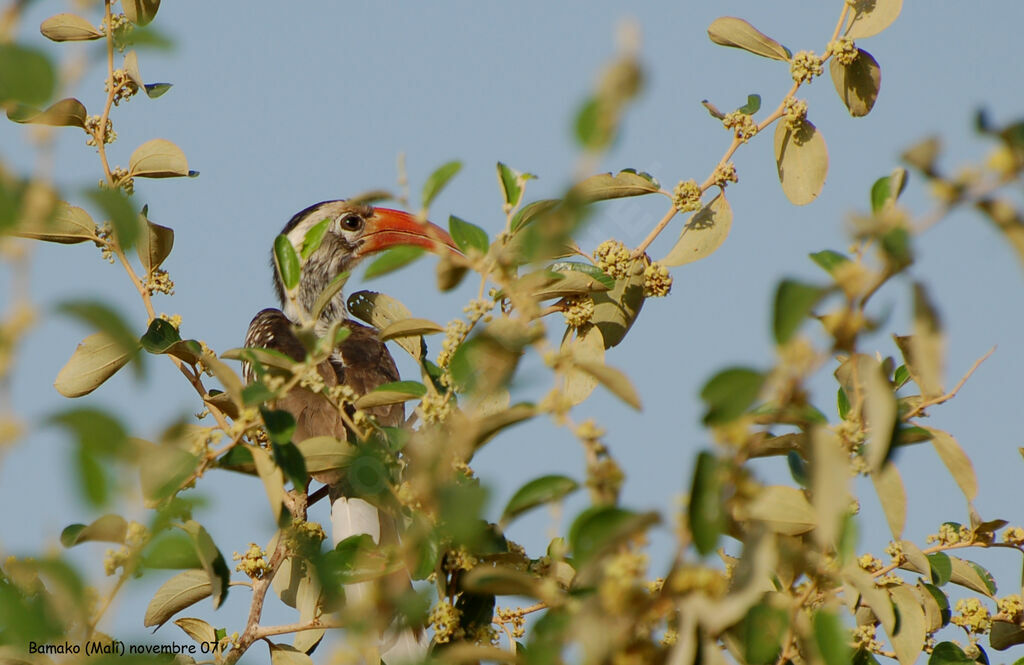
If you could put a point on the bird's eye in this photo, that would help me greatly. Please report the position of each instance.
(351, 222)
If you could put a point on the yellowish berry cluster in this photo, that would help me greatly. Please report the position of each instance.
(120, 27)
(742, 125)
(796, 112)
(864, 638)
(972, 616)
(891, 579)
(1011, 607)
(454, 333)
(124, 87)
(122, 179)
(173, 319)
(605, 477)
(590, 432)
(895, 550)
(253, 563)
(556, 404)
(686, 196)
(670, 637)
(479, 308)
(614, 258)
(245, 420)
(578, 310)
(869, 563)
(624, 575)
(434, 408)
(844, 50)
(724, 174)
(311, 379)
(708, 581)
(657, 281)
(951, 534)
(512, 620)
(136, 536)
(1014, 535)
(92, 128)
(105, 233)
(341, 395)
(459, 559)
(160, 282)
(805, 66)
(444, 619)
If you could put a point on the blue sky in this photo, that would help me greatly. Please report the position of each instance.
(281, 105)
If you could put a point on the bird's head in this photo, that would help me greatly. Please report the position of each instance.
(353, 231)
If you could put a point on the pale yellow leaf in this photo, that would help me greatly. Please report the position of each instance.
(893, 496)
(830, 480)
(909, 639)
(870, 17)
(176, 594)
(272, 477)
(158, 158)
(614, 380)
(96, 359)
(197, 629)
(957, 461)
(410, 327)
(871, 595)
(967, 576)
(783, 509)
(857, 83)
(801, 158)
(325, 453)
(69, 28)
(585, 344)
(703, 234)
(380, 311)
(735, 32)
(69, 226)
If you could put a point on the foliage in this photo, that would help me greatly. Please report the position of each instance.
(788, 585)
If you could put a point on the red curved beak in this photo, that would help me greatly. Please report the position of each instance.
(388, 228)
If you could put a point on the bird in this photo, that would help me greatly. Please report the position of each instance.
(361, 361)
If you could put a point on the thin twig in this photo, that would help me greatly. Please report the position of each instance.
(917, 410)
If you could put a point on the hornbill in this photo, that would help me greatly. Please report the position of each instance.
(361, 361)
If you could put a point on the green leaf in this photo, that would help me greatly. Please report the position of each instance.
(106, 529)
(605, 186)
(737, 33)
(600, 529)
(332, 289)
(118, 208)
(533, 211)
(588, 269)
(941, 601)
(752, 106)
(393, 259)
(793, 303)
(314, 238)
(897, 247)
(26, 75)
(291, 462)
(730, 393)
(287, 262)
(829, 260)
(831, 638)
(410, 387)
(280, 425)
(941, 568)
(947, 653)
(154, 90)
(160, 336)
(103, 318)
(212, 560)
(707, 506)
(887, 189)
(1005, 634)
(842, 404)
(594, 129)
(510, 189)
(538, 491)
(437, 180)
(762, 631)
(181, 591)
(468, 236)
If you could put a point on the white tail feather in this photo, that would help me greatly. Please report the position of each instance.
(350, 517)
